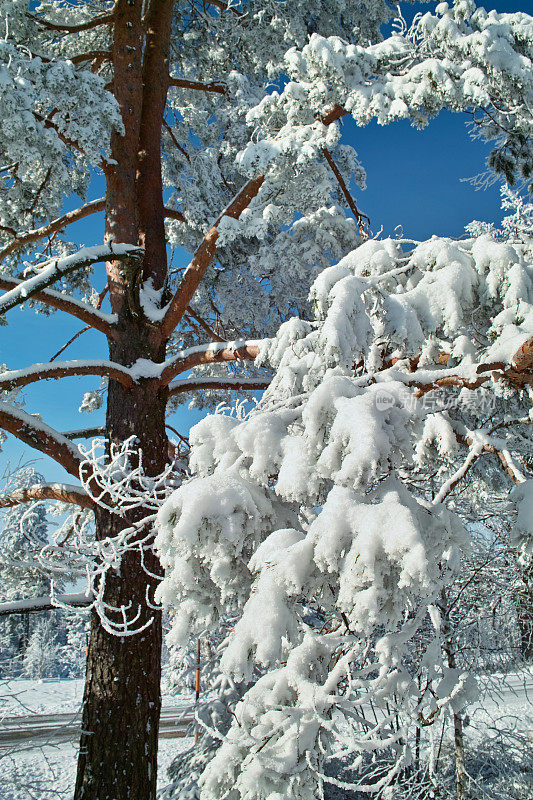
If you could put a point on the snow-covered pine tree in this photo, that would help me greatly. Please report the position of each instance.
(325, 520)
(173, 102)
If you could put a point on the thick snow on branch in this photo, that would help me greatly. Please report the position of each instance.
(461, 58)
(89, 314)
(52, 271)
(315, 522)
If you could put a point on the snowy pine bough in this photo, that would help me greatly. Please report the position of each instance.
(314, 518)
(315, 538)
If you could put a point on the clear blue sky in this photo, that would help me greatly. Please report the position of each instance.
(414, 179)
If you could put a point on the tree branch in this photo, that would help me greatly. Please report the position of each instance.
(85, 433)
(63, 369)
(64, 492)
(175, 141)
(172, 213)
(105, 323)
(204, 255)
(53, 227)
(103, 19)
(203, 324)
(192, 385)
(40, 436)
(51, 271)
(44, 603)
(333, 115)
(213, 353)
(360, 217)
(223, 6)
(182, 83)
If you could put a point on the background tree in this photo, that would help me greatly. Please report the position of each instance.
(172, 102)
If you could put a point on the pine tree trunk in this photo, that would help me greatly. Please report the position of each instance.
(118, 751)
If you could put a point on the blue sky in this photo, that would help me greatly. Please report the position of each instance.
(414, 179)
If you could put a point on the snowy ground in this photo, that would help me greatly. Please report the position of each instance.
(46, 773)
(21, 697)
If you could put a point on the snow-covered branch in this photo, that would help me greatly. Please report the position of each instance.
(63, 369)
(53, 270)
(213, 353)
(64, 492)
(103, 19)
(46, 602)
(40, 436)
(204, 255)
(22, 239)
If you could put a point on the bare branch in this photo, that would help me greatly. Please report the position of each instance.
(56, 225)
(175, 141)
(172, 213)
(204, 255)
(362, 219)
(64, 492)
(203, 324)
(85, 433)
(40, 436)
(182, 83)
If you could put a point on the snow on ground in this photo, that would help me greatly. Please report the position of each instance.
(47, 773)
(21, 697)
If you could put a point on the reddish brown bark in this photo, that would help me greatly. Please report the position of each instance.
(118, 749)
(246, 352)
(50, 491)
